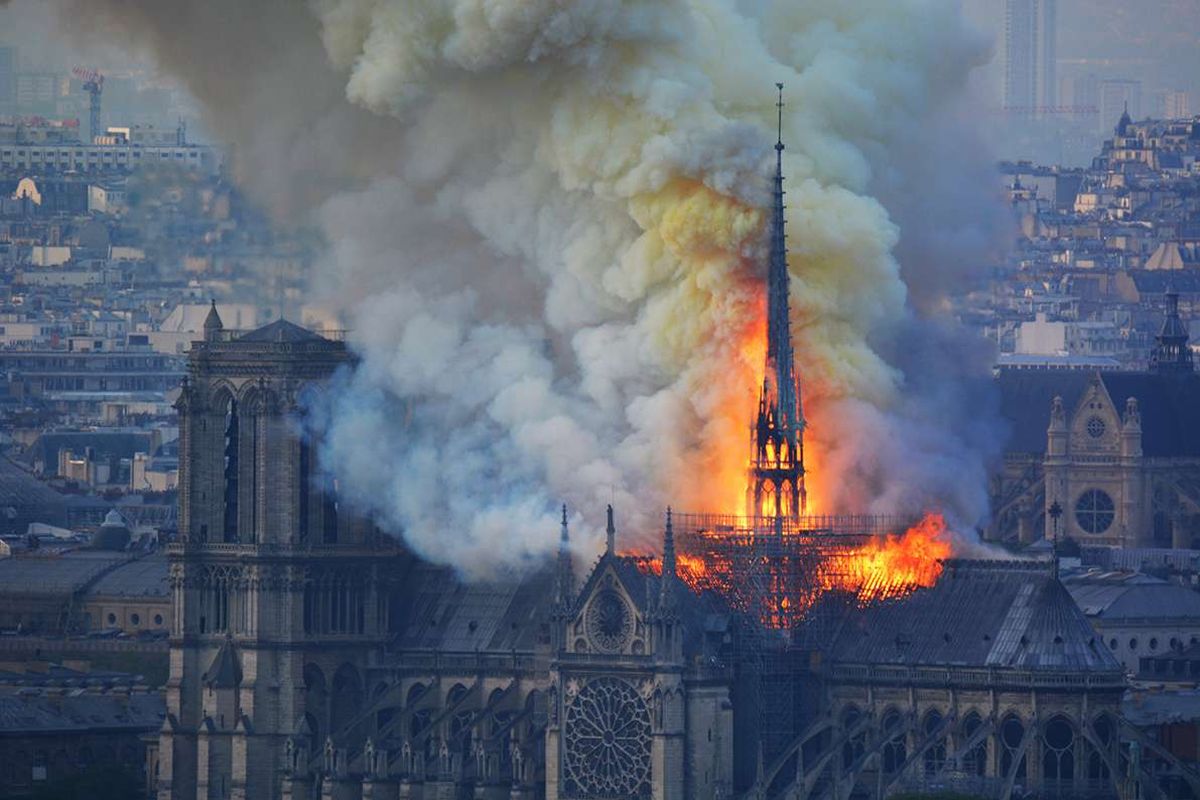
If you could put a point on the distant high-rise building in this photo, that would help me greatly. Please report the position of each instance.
(1117, 96)
(8, 72)
(39, 92)
(1085, 91)
(1030, 34)
(1174, 104)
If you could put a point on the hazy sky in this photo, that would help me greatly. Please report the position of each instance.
(1155, 41)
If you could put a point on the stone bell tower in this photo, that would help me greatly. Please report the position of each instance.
(274, 585)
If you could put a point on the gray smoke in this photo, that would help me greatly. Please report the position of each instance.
(545, 223)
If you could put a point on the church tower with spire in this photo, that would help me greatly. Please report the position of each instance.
(1171, 351)
(776, 485)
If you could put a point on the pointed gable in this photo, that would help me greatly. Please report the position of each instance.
(639, 586)
(225, 671)
(281, 331)
(1095, 419)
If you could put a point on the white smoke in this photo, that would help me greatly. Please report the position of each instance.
(547, 236)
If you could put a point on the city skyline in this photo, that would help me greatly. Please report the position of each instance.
(688, 400)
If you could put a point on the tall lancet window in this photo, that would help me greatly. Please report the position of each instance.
(306, 478)
(252, 457)
(330, 515)
(231, 471)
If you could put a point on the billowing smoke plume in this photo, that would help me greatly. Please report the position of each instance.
(546, 221)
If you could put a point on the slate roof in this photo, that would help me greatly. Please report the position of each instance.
(281, 331)
(1025, 400)
(1159, 281)
(21, 715)
(1169, 405)
(1111, 597)
(144, 578)
(998, 614)
(1161, 708)
(58, 575)
(19, 489)
(442, 612)
(61, 676)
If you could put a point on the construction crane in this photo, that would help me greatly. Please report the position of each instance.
(93, 84)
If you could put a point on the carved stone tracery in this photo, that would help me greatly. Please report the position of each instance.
(607, 738)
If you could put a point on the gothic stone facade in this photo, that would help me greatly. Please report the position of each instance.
(1119, 452)
(268, 579)
(991, 683)
(311, 658)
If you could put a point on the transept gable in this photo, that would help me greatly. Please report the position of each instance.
(1095, 423)
(611, 611)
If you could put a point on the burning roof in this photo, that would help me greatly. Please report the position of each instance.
(779, 572)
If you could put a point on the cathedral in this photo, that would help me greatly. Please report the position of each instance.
(1103, 458)
(314, 658)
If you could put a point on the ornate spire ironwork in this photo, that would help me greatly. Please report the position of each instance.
(777, 464)
(610, 532)
(565, 578)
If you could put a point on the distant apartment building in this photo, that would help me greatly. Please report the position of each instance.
(49, 374)
(1030, 53)
(106, 198)
(1043, 337)
(31, 333)
(127, 156)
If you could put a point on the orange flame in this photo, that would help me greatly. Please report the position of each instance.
(883, 568)
(896, 565)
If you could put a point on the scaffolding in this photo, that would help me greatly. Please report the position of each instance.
(785, 578)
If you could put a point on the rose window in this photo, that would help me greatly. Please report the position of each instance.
(606, 729)
(609, 622)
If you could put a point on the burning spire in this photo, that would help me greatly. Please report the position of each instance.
(777, 461)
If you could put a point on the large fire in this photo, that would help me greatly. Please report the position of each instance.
(780, 567)
(895, 565)
(879, 568)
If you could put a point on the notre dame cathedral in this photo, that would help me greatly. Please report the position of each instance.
(314, 658)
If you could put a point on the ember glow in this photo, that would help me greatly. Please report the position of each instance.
(898, 564)
(881, 568)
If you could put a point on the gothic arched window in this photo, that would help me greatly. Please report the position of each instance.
(895, 751)
(935, 755)
(974, 760)
(346, 699)
(1058, 751)
(231, 470)
(855, 745)
(1012, 736)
